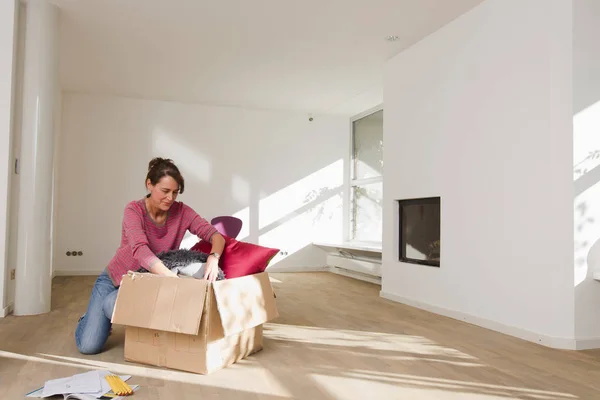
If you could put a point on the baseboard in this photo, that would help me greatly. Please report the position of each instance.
(356, 275)
(278, 269)
(7, 310)
(544, 340)
(77, 272)
(587, 343)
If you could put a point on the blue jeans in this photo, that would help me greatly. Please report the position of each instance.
(94, 326)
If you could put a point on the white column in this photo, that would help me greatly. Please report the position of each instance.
(8, 20)
(40, 86)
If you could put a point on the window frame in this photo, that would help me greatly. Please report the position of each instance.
(352, 182)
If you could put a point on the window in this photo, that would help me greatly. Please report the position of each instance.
(366, 178)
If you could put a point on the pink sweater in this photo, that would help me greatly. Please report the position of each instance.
(142, 239)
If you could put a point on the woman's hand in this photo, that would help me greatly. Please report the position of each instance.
(159, 268)
(171, 274)
(211, 269)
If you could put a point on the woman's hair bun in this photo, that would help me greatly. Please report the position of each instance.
(156, 161)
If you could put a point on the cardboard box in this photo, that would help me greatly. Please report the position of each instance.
(192, 324)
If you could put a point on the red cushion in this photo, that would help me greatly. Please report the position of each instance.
(240, 258)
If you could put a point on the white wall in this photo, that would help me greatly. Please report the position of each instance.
(8, 24)
(586, 161)
(280, 173)
(479, 113)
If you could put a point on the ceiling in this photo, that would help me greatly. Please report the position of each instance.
(314, 56)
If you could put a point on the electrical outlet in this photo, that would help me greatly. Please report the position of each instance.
(12, 274)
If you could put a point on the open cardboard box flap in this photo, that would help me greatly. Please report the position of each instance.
(175, 305)
(245, 302)
(162, 303)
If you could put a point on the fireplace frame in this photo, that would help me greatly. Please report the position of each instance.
(401, 253)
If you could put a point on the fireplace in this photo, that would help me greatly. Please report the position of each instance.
(419, 231)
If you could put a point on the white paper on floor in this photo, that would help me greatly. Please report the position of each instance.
(92, 383)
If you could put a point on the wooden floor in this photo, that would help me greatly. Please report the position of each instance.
(335, 339)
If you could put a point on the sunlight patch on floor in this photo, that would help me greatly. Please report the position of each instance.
(227, 378)
(24, 357)
(451, 385)
(344, 384)
(417, 345)
(362, 352)
(345, 388)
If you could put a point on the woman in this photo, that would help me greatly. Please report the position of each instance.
(151, 225)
